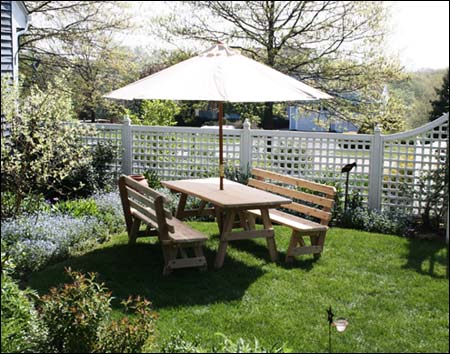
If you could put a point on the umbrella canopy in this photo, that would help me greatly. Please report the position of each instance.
(219, 74)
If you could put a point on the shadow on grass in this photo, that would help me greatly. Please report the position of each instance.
(261, 251)
(137, 270)
(425, 255)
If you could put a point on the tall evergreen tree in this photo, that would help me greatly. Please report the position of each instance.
(440, 105)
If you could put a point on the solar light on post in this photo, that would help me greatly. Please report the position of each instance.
(346, 169)
(340, 324)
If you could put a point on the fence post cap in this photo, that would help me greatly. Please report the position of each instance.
(246, 124)
(377, 129)
(126, 120)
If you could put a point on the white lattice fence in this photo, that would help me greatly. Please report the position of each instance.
(387, 175)
(109, 134)
(314, 156)
(182, 152)
(408, 158)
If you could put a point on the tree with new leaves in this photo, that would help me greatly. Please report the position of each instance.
(332, 45)
(77, 39)
(440, 105)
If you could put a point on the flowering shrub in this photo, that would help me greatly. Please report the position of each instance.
(394, 222)
(35, 240)
(110, 210)
(129, 334)
(74, 313)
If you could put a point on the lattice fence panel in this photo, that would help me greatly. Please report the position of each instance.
(314, 156)
(182, 152)
(408, 159)
(110, 134)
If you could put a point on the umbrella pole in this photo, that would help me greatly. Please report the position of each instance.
(221, 168)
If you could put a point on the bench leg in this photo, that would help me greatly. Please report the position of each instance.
(132, 236)
(169, 253)
(292, 245)
(198, 251)
(318, 241)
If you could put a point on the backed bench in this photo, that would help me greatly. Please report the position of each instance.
(306, 201)
(142, 204)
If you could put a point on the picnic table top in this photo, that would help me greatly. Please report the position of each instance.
(233, 195)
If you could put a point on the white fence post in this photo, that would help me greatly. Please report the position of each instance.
(246, 147)
(127, 144)
(376, 170)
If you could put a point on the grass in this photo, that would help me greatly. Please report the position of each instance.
(393, 291)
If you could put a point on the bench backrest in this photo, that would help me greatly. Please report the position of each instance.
(309, 198)
(145, 204)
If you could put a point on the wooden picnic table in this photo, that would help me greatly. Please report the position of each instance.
(228, 203)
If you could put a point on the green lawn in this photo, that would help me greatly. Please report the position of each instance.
(393, 291)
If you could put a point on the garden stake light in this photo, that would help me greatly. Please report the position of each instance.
(339, 323)
(347, 169)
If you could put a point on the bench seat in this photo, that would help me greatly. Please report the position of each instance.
(292, 221)
(184, 233)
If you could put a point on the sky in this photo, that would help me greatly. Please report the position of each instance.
(419, 31)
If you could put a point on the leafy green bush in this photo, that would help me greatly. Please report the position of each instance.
(74, 313)
(394, 222)
(30, 204)
(236, 174)
(91, 177)
(22, 331)
(129, 334)
(41, 150)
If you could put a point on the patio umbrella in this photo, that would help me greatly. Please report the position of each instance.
(219, 74)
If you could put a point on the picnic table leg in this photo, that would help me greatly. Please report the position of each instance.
(227, 227)
(271, 245)
(181, 206)
(219, 218)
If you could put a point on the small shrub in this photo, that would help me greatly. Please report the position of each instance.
(74, 313)
(178, 344)
(22, 331)
(12, 205)
(129, 334)
(88, 178)
(236, 174)
(77, 208)
(394, 222)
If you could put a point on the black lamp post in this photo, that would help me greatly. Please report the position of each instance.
(347, 169)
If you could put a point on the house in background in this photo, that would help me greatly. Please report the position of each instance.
(15, 21)
(318, 122)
